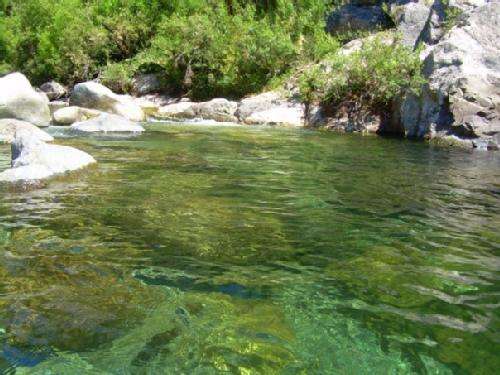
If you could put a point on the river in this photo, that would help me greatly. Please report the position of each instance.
(204, 249)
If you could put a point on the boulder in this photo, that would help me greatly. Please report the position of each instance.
(176, 111)
(221, 110)
(33, 159)
(352, 18)
(70, 115)
(9, 128)
(96, 96)
(144, 84)
(54, 90)
(272, 109)
(19, 100)
(106, 122)
(463, 93)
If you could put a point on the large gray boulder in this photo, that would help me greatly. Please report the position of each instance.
(270, 108)
(19, 100)
(352, 18)
(70, 115)
(54, 90)
(106, 122)
(33, 159)
(10, 127)
(96, 96)
(463, 94)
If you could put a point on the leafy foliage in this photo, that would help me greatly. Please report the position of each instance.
(203, 48)
(372, 76)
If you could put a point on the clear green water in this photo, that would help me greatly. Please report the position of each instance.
(204, 250)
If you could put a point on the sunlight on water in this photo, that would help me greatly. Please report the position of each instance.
(204, 250)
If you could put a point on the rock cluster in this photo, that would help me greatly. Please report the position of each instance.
(270, 108)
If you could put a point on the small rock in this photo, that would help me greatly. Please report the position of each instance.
(106, 122)
(70, 115)
(54, 90)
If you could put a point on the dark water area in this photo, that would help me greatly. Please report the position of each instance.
(205, 250)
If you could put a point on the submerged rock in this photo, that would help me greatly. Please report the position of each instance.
(33, 159)
(106, 122)
(54, 90)
(19, 100)
(96, 96)
(10, 127)
(70, 115)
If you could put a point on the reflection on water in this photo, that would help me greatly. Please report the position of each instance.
(202, 250)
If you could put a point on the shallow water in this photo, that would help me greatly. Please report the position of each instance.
(204, 250)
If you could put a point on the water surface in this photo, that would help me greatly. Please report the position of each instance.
(206, 250)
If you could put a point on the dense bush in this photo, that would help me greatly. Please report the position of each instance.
(202, 47)
(372, 76)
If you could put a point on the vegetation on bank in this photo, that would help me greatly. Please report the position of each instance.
(371, 77)
(200, 48)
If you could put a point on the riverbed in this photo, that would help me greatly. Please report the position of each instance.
(204, 249)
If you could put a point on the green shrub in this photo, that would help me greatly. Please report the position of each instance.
(216, 54)
(203, 47)
(118, 77)
(373, 76)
